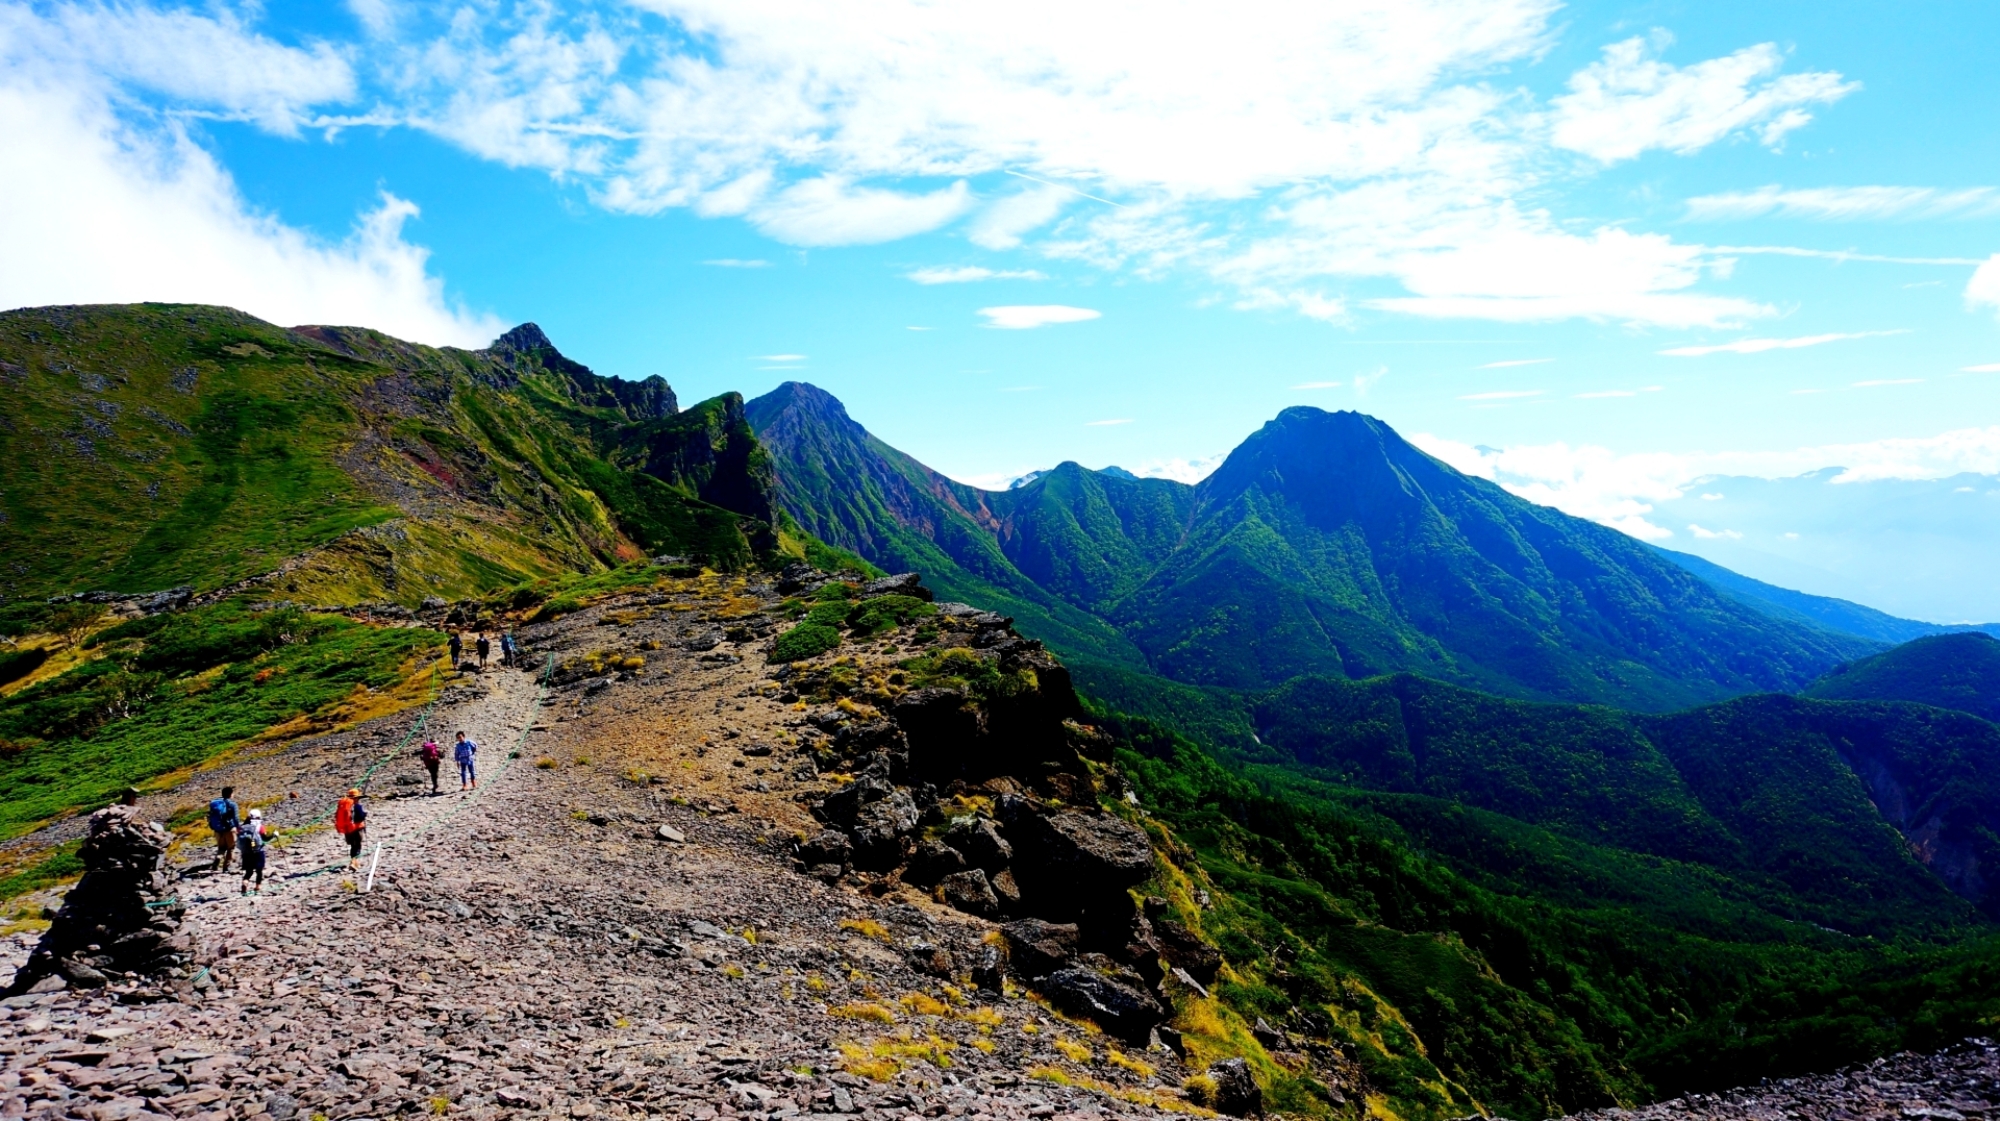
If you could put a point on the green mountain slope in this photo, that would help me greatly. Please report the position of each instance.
(1324, 544)
(851, 490)
(1960, 671)
(1799, 802)
(150, 445)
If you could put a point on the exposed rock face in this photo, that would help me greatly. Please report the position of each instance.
(1236, 1091)
(1039, 948)
(106, 925)
(1119, 1007)
(969, 892)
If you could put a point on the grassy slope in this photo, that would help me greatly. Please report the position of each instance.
(172, 691)
(151, 445)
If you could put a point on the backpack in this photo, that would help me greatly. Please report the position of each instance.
(431, 752)
(221, 815)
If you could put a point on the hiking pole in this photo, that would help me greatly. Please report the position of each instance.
(372, 862)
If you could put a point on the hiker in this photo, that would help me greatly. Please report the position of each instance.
(432, 755)
(457, 648)
(482, 647)
(507, 649)
(350, 820)
(223, 822)
(463, 753)
(130, 797)
(251, 840)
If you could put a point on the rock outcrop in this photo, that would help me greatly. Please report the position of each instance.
(118, 920)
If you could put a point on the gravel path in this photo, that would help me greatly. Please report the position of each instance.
(540, 948)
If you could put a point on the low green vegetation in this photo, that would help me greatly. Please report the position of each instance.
(168, 692)
(1466, 958)
(806, 640)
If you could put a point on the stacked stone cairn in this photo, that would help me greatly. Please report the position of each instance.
(118, 921)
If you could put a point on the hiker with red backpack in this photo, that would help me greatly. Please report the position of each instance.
(432, 755)
(350, 820)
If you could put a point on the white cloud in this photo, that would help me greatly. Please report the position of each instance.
(737, 263)
(1619, 490)
(832, 211)
(1601, 393)
(1983, 290)
(1107, 423)
(1503, 394)
(1021, 317)
(941, 274)
(1001, 224)
(121, 212)
(1629, 102)
(1511, 363)
(1181, 470)
(214, 62)
(1988, 368)
(1843, 204)
(1759, 346)
(1280, 149)
(1312, 305)
(777, 358)
(1713, 534)
(1365, 382)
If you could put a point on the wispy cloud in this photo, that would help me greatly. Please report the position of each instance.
(1759, 346)
(737, 263)
(1713, 534)
(1513, 362)
(1503, 394)
(1620, 490)
(1846, 204)
(1988, 368)
(920, 328)
(777, 358)
(1317, 385)
(1617, 393)
(1887, 381)
(1629, 102)
(1021, 317)
(968, 273)
(1107, 423)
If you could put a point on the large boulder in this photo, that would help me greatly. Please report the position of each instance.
(1236, 1090)
(826, 853)
(982, 844)
(1182, 948)
(880, 828)
(933, 861)
(1037, 948)
(1122, 1009)
(1077, 865)
(968, 891)
(902, 584)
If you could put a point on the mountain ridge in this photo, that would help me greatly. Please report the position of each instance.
(1322, 544)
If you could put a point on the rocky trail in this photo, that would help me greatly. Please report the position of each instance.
(612, 925)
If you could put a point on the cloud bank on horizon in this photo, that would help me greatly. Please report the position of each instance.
(1277, 153)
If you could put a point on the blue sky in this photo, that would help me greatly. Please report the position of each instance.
(1591, 250)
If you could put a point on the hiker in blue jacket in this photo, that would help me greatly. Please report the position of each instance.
(223, 822)
(464, 752)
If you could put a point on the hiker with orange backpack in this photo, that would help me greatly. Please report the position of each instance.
(350, 820)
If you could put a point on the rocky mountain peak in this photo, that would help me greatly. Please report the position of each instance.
(526, 338)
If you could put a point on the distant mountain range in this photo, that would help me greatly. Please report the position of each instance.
(1325, 543)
